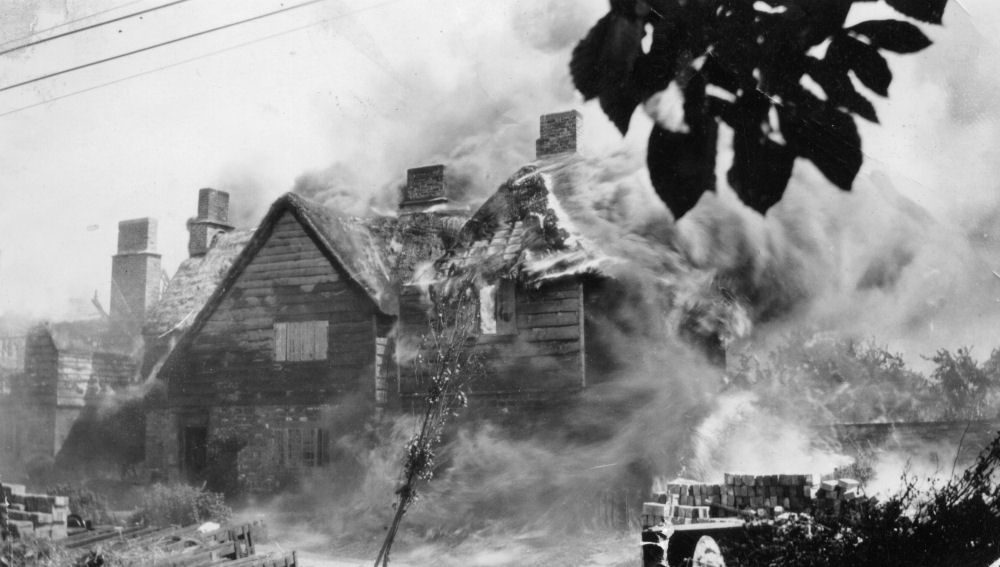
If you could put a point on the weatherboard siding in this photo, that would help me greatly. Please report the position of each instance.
(232, 358)
(544, 356)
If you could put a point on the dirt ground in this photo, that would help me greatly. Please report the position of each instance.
(529, 550)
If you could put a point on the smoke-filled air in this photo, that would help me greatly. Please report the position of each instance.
(709, 342)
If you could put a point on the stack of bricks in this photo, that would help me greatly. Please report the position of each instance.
(832, 494)
(37, 515)
(791, 492)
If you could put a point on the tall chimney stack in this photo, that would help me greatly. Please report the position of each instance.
(212, 220)
(558, 133)
(424, 188)
(135, 272)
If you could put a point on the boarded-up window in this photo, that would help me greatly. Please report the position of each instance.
(303, 447)
(306, 340)
(497, 314)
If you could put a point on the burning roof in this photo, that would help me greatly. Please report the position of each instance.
(568, 215)
(545, 223)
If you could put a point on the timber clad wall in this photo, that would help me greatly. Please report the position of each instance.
(231, 361)
(543, 357)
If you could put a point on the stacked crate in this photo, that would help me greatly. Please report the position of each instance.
(792, 492)
(38, 515)
(833, 493)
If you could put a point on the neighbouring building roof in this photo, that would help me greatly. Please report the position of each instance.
(194, 282)
(87, 337)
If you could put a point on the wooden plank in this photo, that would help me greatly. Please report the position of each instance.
(571, 332)
(548, 319)
(280, 341)
(554, 306)
(543, 296)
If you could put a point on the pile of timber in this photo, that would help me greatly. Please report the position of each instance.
(35, 515)
(227, 546)
(791, 492)
(834, 493)
(688, 501)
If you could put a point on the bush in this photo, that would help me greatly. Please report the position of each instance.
(957, 523)
(179, 504)
(88, 504)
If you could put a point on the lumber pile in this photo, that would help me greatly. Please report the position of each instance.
(35, 515)
(188, 546)
(791, 492)
(834, 493)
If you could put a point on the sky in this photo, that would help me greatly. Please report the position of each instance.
(338, 99)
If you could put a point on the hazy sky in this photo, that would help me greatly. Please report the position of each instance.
(370, 89)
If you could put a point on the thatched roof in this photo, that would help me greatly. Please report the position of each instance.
(193, 284)
(534, 227)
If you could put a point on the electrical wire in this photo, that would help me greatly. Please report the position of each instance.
(161, 44)
(193, 59)
(69, 23)
(92, 26)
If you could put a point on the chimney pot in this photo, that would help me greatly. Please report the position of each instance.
(212, 220)
(425, 187)
(135, 272)
(137, 235)
(213, 205)
(558, 133)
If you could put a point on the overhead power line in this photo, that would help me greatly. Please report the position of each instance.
(92, 26)
(68, 23)
(202, 56)
(161, 44)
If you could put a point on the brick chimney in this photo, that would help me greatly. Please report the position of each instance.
(558, 133)
(135, 272)
(424, 189)
(212, 220)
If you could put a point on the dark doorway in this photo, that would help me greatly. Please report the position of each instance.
(195, 451)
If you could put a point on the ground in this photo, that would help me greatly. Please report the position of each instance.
(527, 550)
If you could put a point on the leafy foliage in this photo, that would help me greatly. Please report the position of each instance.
(746, 64)
(954, 524)
(180, 504)
(965, 385)
(839, 380)
(87, 504)
(447, 365)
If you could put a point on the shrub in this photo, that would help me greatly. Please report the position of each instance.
(957, 523)
(179, 504)
(83, 502)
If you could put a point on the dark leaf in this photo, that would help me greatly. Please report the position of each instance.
(585, 63)
(825, 136)
(855, 102)
(760, 171)
(893, 35)
(866, 62)
(602, 66)
(655, 70)
(840, 90)
(761, 166)
(681, 166)
(923, 10)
